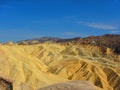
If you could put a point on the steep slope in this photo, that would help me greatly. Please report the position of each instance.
(82, 62)
(17, 64)
(36, 66)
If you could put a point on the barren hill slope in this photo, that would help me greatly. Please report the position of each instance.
(37, 66)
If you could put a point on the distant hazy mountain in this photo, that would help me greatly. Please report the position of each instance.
(39, 40)
(107, 40)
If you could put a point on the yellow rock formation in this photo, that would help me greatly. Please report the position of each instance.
(37, 66)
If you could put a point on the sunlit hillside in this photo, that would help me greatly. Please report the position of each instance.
(31, 67)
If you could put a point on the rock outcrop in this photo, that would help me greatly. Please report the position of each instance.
(74, 85)
(5, 84)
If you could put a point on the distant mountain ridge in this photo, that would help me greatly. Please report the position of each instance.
(39, 40)
(107, 40)
(80, 39)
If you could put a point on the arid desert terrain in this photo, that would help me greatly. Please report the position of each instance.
(91, 63)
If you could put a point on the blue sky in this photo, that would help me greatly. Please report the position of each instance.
(26, 19)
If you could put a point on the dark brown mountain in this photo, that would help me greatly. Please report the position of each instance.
(107, 40)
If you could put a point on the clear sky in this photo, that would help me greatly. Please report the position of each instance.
(26, 19)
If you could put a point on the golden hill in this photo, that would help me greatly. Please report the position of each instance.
(36, 66)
